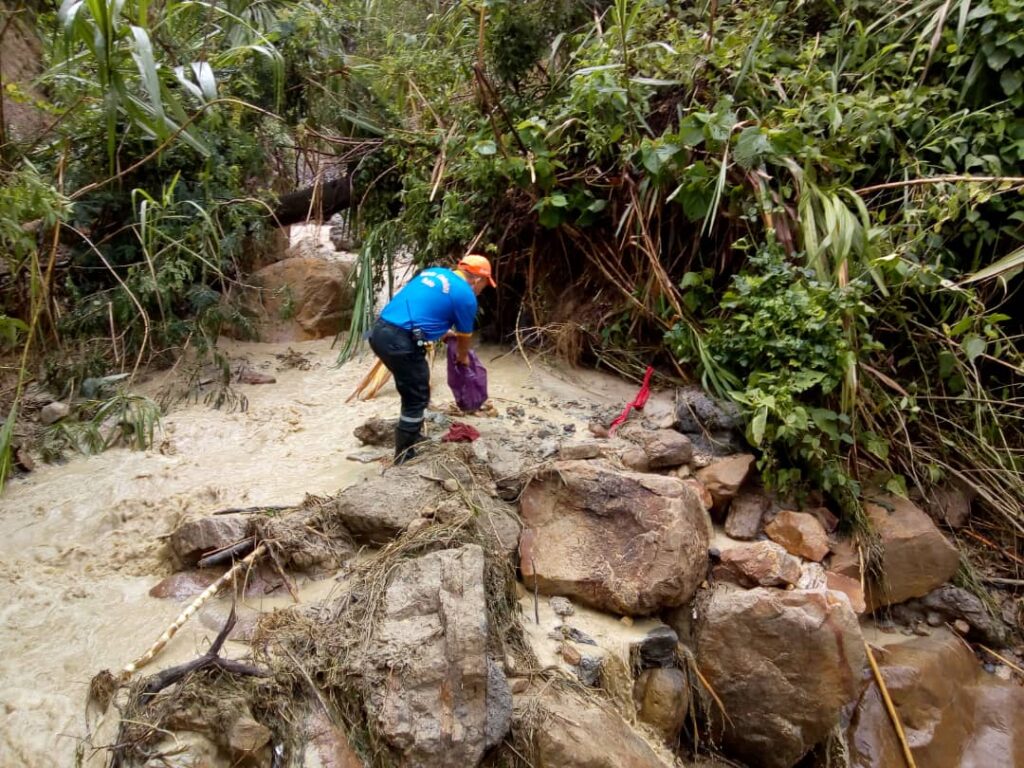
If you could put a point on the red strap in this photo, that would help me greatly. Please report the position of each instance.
(638, 402)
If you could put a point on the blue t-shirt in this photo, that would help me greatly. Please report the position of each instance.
(434, 301)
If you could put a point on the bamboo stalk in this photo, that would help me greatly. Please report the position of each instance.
(946, 179)
(890, 708)
(185, 615)
(1005, 660)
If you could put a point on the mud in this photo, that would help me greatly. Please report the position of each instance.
(84, 541)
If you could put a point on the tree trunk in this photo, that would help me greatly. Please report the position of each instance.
(317, 203)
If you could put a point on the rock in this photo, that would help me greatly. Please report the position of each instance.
(571, 654)
(509, 469)
(635, 459)
(784, 664)
(589, 670)
(657, 649)
(700, 491)
(302, 298)
(53, 412)
(562, 606)
(724, 477)
(328, 745)
(499, 529)
(949, 604)
(800, 533)
(666, 448)
(760, 564)
(949, 505)
(837, 582)
(499, 706)
(916, 557)
(824, 516)
(427, 678)
(618, 541)
(663, 701)
(377, 431)
(247, 737)
(953, 713)
(812, 577)
(24, 459)
(579, 451)
(571, 732)
(746, 512)
(697, 412)
(380, 507)
(195, 538)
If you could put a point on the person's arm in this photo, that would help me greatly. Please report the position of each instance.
(465, 316)
(463, 343)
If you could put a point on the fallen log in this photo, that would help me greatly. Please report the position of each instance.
(317, 203)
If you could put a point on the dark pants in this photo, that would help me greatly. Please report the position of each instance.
(407, 362)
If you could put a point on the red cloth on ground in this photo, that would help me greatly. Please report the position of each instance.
(460, 433)
(638, 402)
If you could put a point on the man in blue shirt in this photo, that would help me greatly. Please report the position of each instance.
(435, 302)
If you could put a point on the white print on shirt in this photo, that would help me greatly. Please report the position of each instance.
(445, 285)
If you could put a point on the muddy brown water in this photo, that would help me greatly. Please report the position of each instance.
(83, 542)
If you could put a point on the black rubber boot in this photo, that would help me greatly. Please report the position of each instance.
(404, 442)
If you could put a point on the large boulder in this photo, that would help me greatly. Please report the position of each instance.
(301, 298)
(916, 557)
(784, 664)
(618, 541)
(380, 507)
(193, 539)
(662, 699)
(432, 693)
(571, 732)
(954, 714)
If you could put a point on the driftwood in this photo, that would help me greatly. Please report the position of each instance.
(185, 615)
(226, 555)
(211, 658)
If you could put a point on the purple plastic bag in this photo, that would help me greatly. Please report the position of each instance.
(467, 382)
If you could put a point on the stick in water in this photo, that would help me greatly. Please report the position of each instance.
(185, 615)
(890, 708)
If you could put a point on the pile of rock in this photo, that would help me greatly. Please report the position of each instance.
(662, 588)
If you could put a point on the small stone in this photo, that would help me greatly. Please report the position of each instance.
(800, 533)
(519, 685)
(666, 448)
(598, 430)
(658, 648)
(589, 670)
(579, 451)
(760, 564)
(1003, 672)
(961, 626)
(684, 472)
(746, 512)
(450, 484)
(724, 477)
(663, 701)
(54, 412)
(703, 494)
(562, 606)
(571, 654)
(24, 460)
(247, 736)
(627, 621)
(636, 460)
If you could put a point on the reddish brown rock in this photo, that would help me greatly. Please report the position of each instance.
(666, 448)
(824, 516)
(580, 451)
(784, 664)
(624, 542)
(724, 477)
(954, 714)
(185, 584)
(663, 701)
(250, 376)
(760, 564)
(916, 557)
(703, 494)
(329, 745)
(800, 533)
(636, 460)
(746, 513)
(837, 582)
(949, 505)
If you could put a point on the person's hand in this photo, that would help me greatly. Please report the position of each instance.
(448, 336)
(462, 359)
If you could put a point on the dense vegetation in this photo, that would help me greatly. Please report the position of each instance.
(813, 207)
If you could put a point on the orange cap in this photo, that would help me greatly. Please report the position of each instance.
(477, 265)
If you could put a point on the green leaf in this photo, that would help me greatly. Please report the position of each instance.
(751, 146)
(1012, 262)
(973, 346)
(757, 425)
(485, 148)
(1011, 80)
